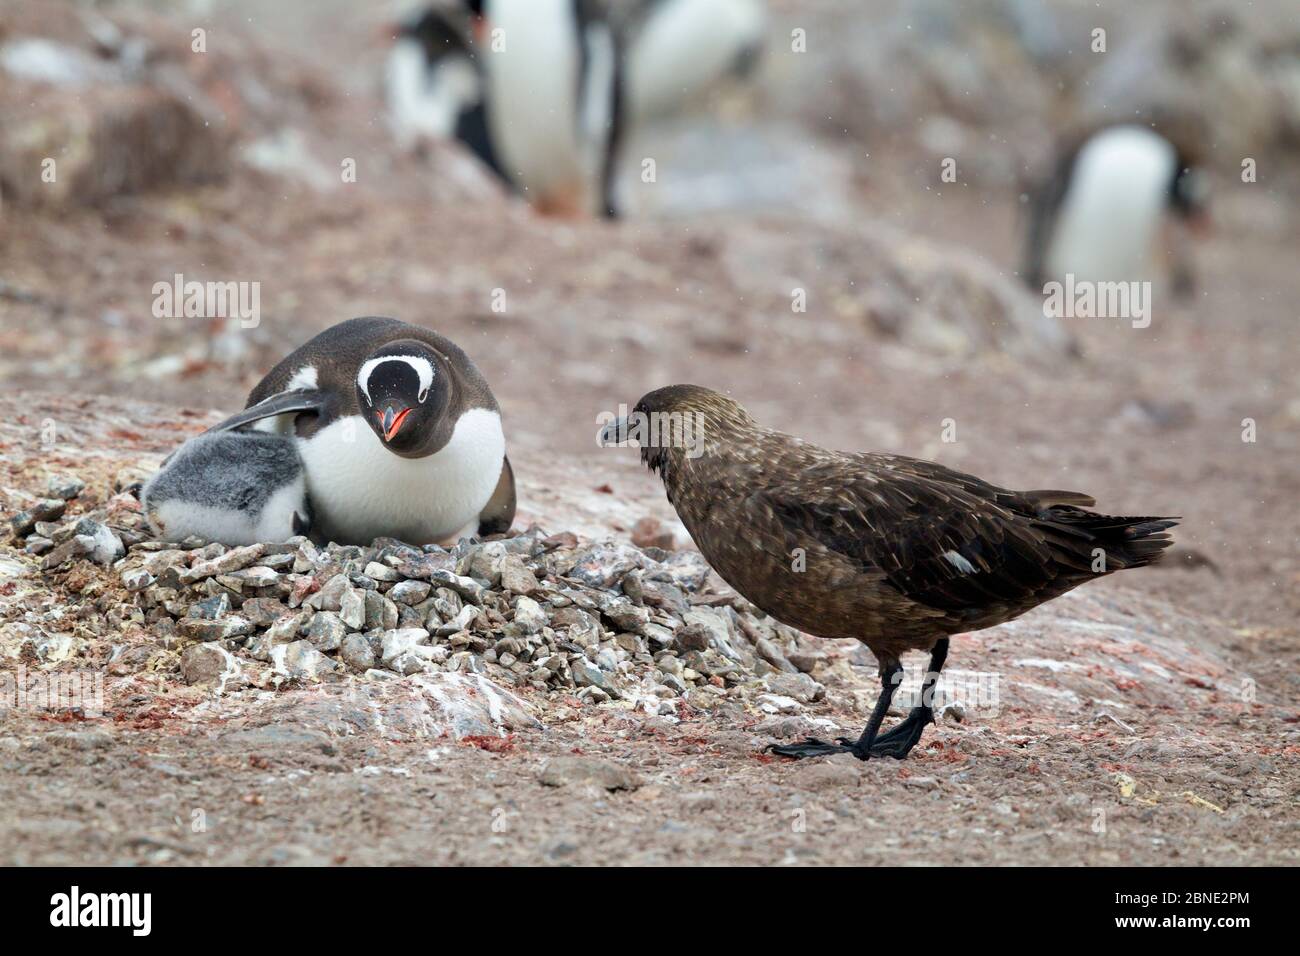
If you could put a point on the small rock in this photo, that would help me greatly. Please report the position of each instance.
(330, 595)
(515, 576)
(692, 637)
(105, 545)
(54, 648)
(529, 615)
(212, 609)
(407, 663)
(352, 609)
(799, 686)
(356, 653)
(688, 569)
(136, 579)
(379, 572)
(777, 704)
(604, 565)
(208, 664)
(565, 770)
(263, 611)
(65, 487)
(425, 566)
(409, 592)
(236, 559)
(956, 712)
(257, 577)
(626, 616)
(301, 661)
(398, 642)
(203, 630)
(463, 619)
(326, 631)
(589, 675)
(70, 550)
(467, 588)
(380, 611)
(286, 629)
(805, 661)
(650, 533)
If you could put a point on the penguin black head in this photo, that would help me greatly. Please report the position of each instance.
(1189, 192)
(436, 34)
(404, 391)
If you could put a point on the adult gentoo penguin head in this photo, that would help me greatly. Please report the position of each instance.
(406, 388)
(398, 431)
(895, 552)
(1100, 213)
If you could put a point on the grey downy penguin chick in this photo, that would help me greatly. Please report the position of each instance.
(235, 487)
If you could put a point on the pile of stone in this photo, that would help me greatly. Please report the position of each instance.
(541, 613)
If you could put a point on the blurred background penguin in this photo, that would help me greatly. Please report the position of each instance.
(545, 92)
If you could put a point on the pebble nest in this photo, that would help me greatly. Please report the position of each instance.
(545, 613)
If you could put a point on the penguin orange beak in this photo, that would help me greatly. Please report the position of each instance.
(391, 421)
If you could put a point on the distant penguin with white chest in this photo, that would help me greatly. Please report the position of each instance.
(399, 434)
(553, 100)
(1102, 212)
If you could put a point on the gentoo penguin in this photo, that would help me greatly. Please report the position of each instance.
(895, 552)
(677, 49)
(1099, 215)
(397, 429)
(435, 87)
(554, 101)
(537, 95)
(233, 487)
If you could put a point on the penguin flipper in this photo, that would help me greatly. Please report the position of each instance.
(499, 513)
(284, 403)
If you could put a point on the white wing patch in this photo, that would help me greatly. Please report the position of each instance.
(305, 377)
(421, 365)
(959, 562)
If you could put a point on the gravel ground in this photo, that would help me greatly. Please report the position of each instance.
(1149, 718)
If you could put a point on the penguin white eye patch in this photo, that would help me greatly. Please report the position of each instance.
(423, 369)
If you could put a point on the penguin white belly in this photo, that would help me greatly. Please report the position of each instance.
(686, 46)
(1112, 209)
(360, 490)
(533, 84)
